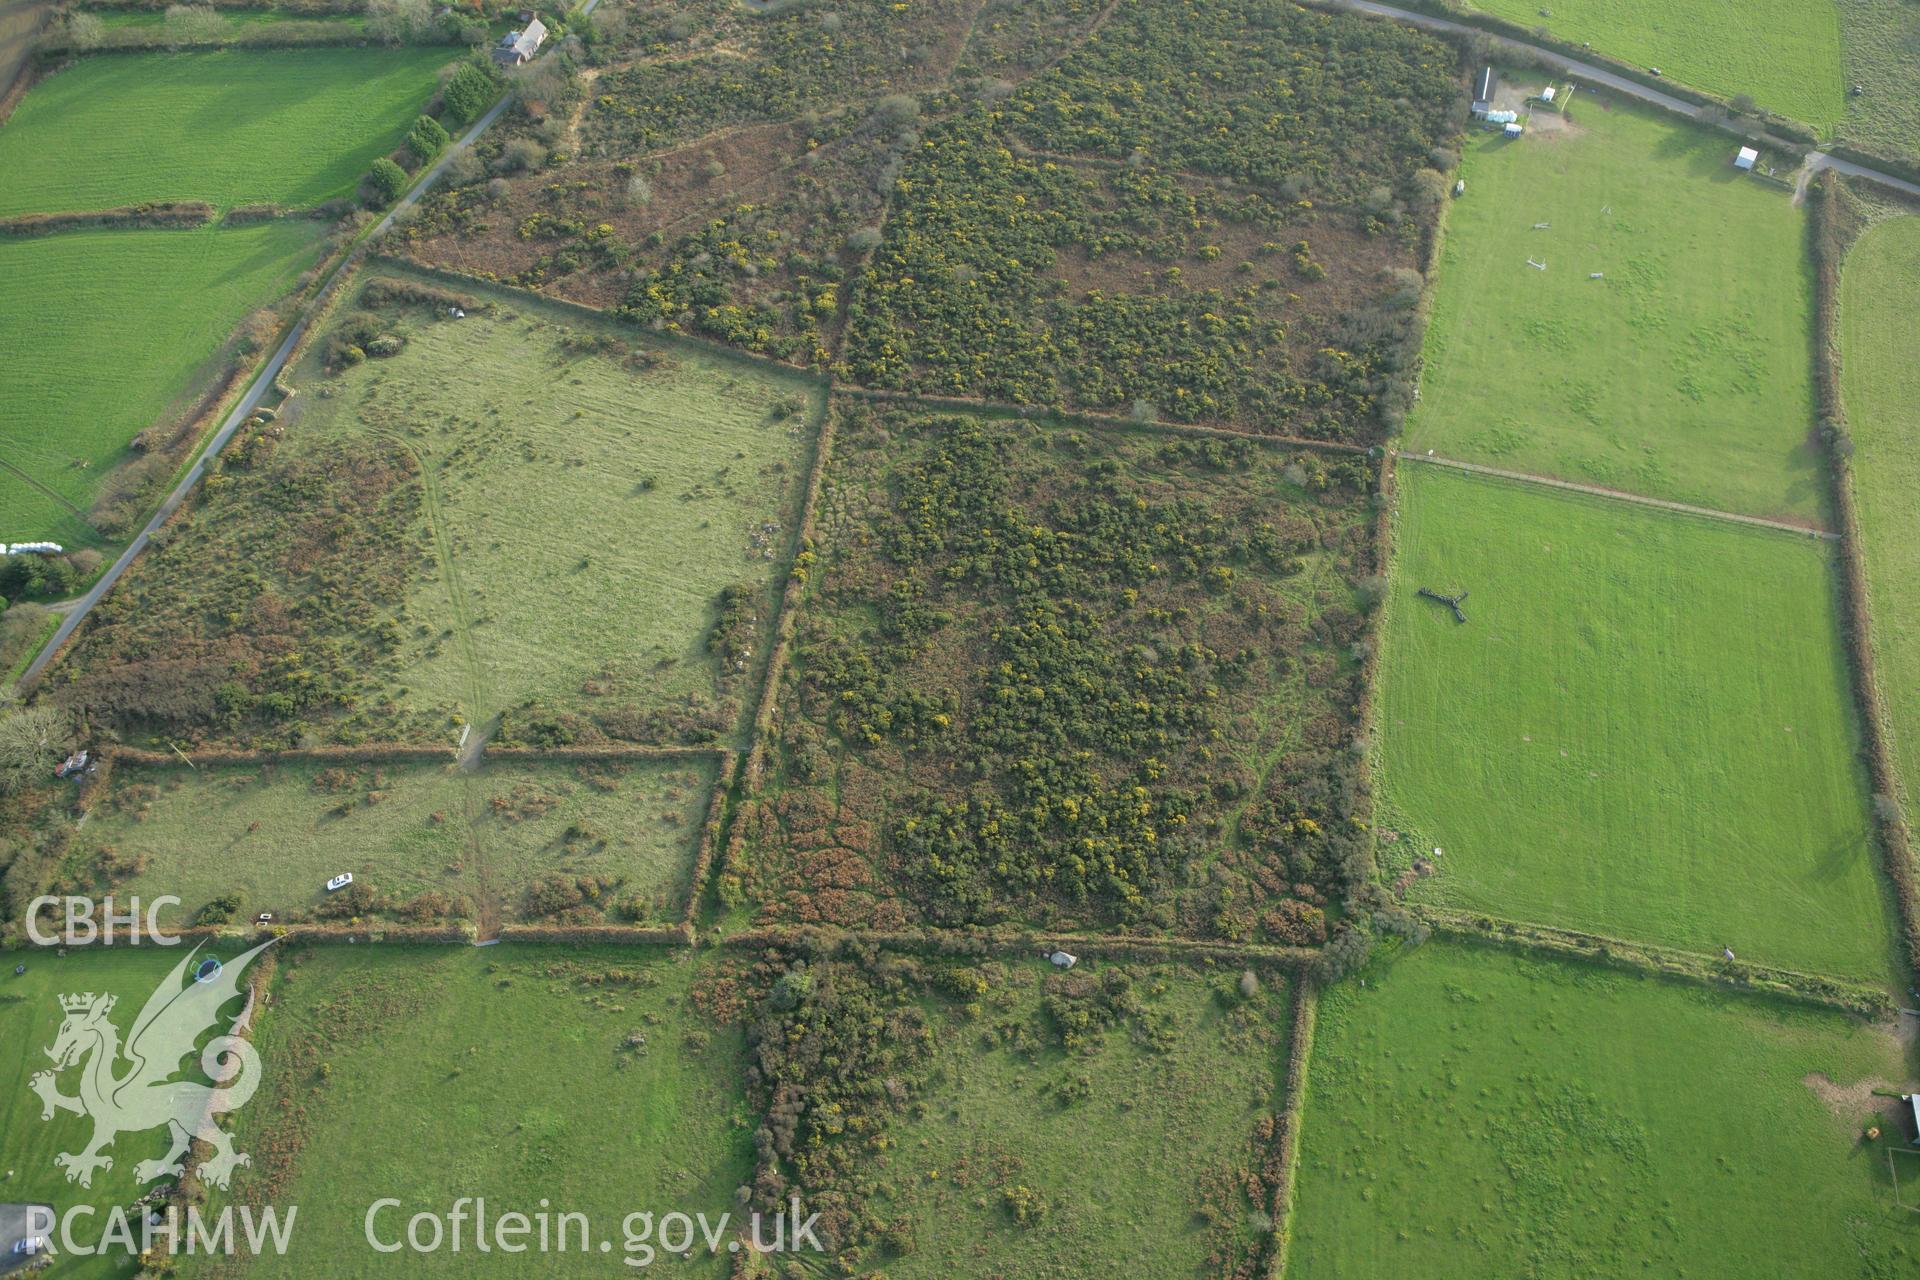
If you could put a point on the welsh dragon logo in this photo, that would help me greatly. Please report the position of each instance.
(130, 1088)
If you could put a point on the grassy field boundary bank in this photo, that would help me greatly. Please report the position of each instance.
(368, 933)
(712, 833)
(188, 1190)
(1658, 962)
(400, 752)
(679, 935)
(745, 783)
(1048, 414)
(1830, 233)
(319, 310)
(1385, 526)
(242, 215)
(597, 315)
(1368, 720)
(1014, 941)
(167, 213)
(811, 940)
(1285, 1158)
(1622, 495)
(297, 8)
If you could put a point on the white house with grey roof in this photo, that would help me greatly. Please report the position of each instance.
(517, 47)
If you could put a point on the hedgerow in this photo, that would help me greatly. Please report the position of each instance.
(1048, 677)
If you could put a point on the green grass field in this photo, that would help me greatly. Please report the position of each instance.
(1883, 58)
(507, 1073)
(1644, 730)
(116, 18)
(1879, 309)
(103, 330)
(30, 1018)
(1785, 54)
(292, 127)
(1479, 1113)
(275, 835)
(1684, 373)
(1123, 1172)
(586, 511)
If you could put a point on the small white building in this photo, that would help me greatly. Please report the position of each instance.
(518, 47)
(1746, 158)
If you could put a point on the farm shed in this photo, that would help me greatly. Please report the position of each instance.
(517, 47)
(1746, 158)
(1484, 85)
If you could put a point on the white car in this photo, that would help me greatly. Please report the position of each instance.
(31, 1245)
(340, 881)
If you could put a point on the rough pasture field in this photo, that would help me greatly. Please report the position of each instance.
(1785, 54)
(1254, 155)
(30, 1018)
(104, 330)
(1224, 232)
(758, 256)
(586, 542)
(1129, 289)
(691, 70)
(1658, 715)
(1122, 1152)
(1072, 677)
(1684, 373)
(1479, 1112)
(1012, 39)
(516, 1073)
(995, 1116)
(1878, 314)
(516, 840)
(269, 126)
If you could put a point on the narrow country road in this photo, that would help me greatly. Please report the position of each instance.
(1815, 160)
(77, 610)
